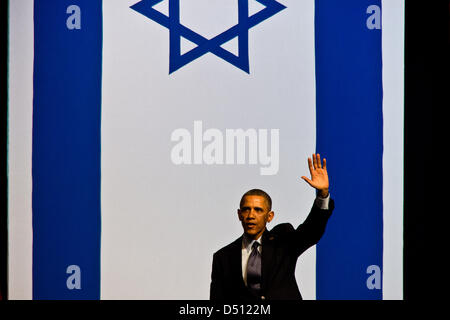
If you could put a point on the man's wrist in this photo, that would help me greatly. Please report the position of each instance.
(322, 202)
(323, 193)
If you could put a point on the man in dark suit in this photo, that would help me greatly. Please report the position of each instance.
(261, 263)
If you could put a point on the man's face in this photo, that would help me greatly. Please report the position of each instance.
(254, 214)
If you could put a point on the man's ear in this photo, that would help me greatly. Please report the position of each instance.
(270, 216)
(239, 214)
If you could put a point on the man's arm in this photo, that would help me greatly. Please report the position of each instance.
(312, 229)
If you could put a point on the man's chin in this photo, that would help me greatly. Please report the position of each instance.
(252, 233)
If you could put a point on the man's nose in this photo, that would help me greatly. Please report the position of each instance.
(252, 214)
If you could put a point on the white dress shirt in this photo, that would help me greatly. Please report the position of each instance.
(247, 243)
(246, 251)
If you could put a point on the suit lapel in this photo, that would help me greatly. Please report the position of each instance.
(236, 260)
(236, 268)
(267, 259)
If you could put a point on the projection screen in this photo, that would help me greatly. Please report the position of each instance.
(134, 128)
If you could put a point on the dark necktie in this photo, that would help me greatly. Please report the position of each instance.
(254, 269)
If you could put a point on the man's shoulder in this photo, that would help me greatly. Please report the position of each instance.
(280, 232)
(236, 244)
(282, 228)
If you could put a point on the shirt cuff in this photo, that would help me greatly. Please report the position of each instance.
(322, 203)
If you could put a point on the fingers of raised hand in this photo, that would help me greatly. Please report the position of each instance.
(317, 162)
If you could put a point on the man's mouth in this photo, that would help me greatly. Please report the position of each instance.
(250, 225)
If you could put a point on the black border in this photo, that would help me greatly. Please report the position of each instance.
(4, 11)
(426, 96)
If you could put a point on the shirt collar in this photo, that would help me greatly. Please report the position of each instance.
(247, 242)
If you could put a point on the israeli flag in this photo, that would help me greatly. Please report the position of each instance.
(135, 126)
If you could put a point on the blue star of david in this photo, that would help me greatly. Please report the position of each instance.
(177, 30)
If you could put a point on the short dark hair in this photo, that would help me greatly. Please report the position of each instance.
(257, 192)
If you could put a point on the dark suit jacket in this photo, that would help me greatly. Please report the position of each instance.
(281, 248)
